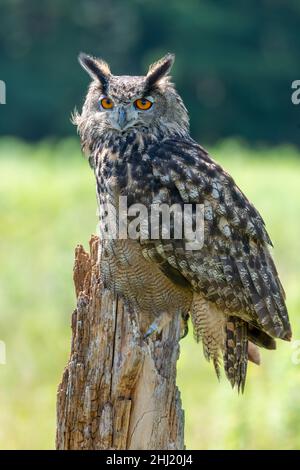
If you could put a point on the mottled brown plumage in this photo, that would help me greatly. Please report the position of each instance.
(230, 286)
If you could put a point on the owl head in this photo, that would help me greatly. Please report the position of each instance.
(119, 104)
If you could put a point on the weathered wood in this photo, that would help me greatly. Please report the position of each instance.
(117, 391)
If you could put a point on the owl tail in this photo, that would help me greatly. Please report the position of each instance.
(236, 352)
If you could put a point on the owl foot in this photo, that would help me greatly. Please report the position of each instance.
(184, 326)
(152, 329)
(157, 325)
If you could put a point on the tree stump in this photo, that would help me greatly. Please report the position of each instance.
(118, 390)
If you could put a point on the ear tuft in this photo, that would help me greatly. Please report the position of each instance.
(96, 68)
(159, 70)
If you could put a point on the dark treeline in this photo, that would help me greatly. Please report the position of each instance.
(236, 61)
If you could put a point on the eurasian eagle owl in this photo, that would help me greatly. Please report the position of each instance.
(135, 131)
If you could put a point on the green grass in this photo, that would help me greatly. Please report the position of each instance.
(47, 206)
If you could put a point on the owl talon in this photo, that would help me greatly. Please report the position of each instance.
(184, 326)
(153, 328)
(184, 332)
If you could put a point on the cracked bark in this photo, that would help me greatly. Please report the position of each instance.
(117, 390)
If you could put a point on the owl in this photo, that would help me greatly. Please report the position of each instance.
(135, 133)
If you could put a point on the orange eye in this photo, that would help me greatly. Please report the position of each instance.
(107, 103)
(143, 104)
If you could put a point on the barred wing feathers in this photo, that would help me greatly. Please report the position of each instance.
(234, 269)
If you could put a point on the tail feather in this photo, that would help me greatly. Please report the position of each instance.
(236, 352)
(260, 338)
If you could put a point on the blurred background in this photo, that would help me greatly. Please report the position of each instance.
(235, 64)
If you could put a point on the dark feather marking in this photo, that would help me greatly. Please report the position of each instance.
(93, 67)
(236, 352)
(157, 71)
(260, 338)
(174, 275)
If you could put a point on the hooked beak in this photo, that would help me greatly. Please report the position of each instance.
(122, 118)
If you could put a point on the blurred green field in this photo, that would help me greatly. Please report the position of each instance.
(47, 206)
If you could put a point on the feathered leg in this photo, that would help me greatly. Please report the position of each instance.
(208, 323)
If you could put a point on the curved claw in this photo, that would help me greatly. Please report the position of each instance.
(184, 326)
(153, 328)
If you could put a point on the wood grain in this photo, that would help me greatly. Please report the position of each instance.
(118, 391)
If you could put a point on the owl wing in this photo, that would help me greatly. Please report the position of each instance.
(234, 268)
